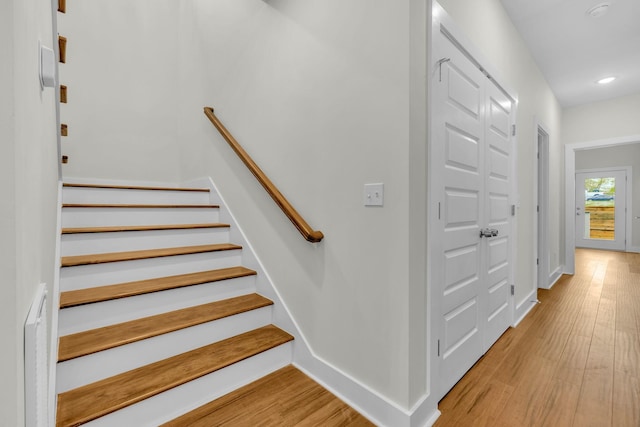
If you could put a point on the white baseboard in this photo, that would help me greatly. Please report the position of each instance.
(634, 249)
(525, 307)
(377, 408)
(555, 276)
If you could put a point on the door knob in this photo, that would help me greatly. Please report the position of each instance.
(489, 232)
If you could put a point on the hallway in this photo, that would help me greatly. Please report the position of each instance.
(573, 361)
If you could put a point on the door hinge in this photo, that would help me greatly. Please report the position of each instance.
(537, 261)
(438, 348)
(440, 62)
(513, 130)
(438, 210)
(513, 210)
(513, 289)
(538, 208)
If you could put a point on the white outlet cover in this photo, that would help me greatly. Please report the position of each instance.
(374, 194)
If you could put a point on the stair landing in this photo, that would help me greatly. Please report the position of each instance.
(286, 397)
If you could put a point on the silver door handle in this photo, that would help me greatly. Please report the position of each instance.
(489, 232)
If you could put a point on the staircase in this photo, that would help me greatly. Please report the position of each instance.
(157, 314)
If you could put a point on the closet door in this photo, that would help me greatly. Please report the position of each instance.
(498, 129)
(471, 147)
(459, 110)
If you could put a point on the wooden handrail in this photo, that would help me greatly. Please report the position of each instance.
(307, 232)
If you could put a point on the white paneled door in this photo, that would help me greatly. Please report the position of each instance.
(472, 169)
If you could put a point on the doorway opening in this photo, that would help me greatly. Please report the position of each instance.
(542, 209)
(570, 191)
(601, 208)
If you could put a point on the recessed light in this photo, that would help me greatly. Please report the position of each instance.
(598, 10)
(606, 80)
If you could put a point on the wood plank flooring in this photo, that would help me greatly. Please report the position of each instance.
(286, 397)
(573, 361)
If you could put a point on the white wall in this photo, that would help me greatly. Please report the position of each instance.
(8, 327)
(28, 188)
(318, 92)
(602, 120)
(487, 24)
(121, 73)
(624, 155)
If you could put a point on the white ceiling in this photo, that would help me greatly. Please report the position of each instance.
(573, 49)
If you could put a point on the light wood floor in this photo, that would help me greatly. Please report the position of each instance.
(285, 398)
(573, 361)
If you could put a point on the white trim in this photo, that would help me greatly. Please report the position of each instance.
(55, 311)
(555, 276)
(634, 249)
(365, 400)
(541, 240)
(570, 189)
(525, 307)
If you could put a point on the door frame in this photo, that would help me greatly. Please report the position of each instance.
(570, 190)
(541, 201)
(627, 196)
(441, 19)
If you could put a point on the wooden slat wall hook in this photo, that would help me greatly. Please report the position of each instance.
(62, 6)
(63, 94)
(64, 131)
(65, 159)
(62, 46)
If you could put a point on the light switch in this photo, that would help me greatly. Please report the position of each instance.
(374, 194)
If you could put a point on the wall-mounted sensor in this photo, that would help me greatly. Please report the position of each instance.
(47, 67)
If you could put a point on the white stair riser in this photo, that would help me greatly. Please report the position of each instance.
(104, 217)
(112, 195)
(91, 243)
(90, 316)
(177, 401)
(84, 370)
(89, 276)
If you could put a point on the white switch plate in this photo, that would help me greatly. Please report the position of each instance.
(374, 194)
(47, 67)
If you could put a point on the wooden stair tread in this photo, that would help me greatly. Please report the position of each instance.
(136, 206)
(285, 397)
(118, 228)
(75, 260)
(95, 340)
(94, 400)
(135, 187)
(139, 287)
